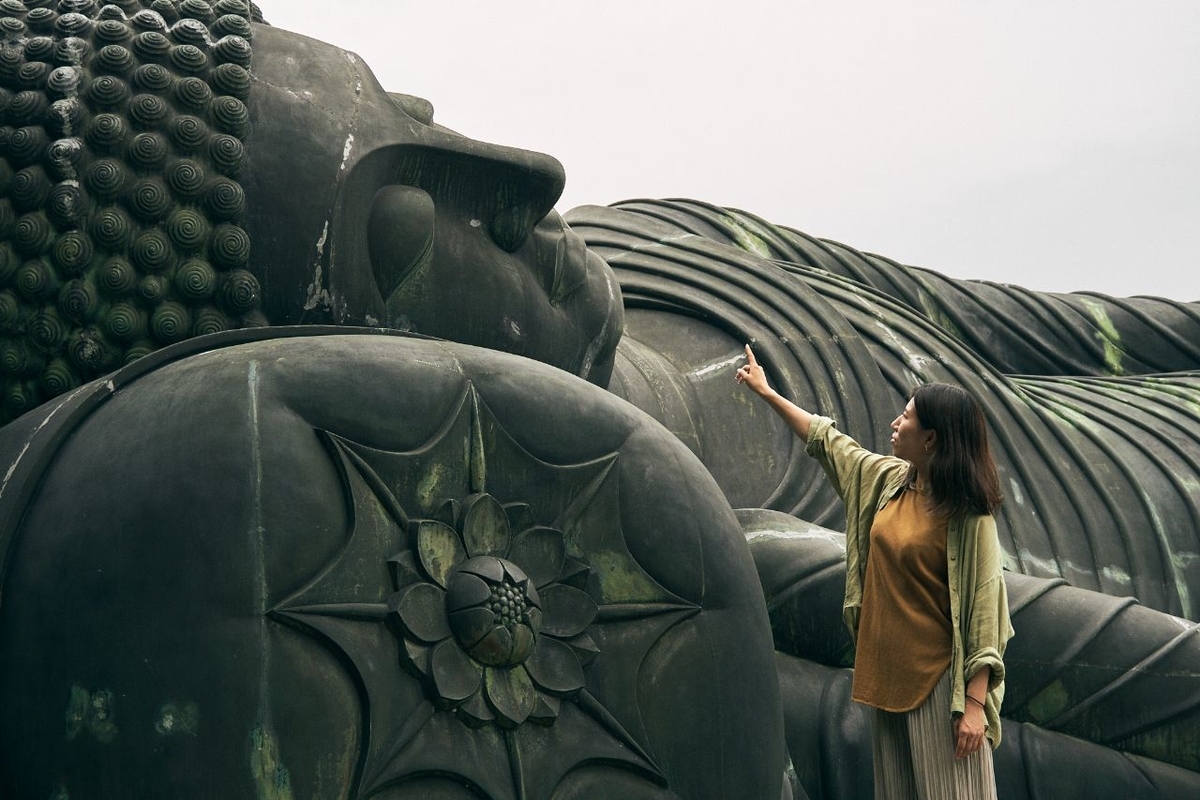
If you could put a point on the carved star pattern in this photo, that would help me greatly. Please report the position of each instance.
(404, 734)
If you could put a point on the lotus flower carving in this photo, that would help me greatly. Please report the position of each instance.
(486, 622)
(477, 587)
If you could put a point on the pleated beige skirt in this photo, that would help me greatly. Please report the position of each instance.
(914, 758)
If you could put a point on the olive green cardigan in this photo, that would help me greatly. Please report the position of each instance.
(866, 481)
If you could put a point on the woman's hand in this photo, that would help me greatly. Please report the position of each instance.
(968, 730)
(752, 374)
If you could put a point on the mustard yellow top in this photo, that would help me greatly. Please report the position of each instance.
(904, 631)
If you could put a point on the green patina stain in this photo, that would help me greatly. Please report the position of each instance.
(434, 484)
(1190, 484)
(1176, 744)
(77, 705)
(621, 580)
(336, 771)
(1049, 703)
(478, 458)
(746, 239)
(90, 712)
(174, 718)
(935, 313)
(1108, 336)
(271, 777)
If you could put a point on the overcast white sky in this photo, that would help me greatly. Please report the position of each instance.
(1054, 145)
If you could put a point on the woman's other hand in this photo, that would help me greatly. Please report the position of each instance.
(968, 731)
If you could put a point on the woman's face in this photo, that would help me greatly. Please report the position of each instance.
(910, 440)
(365, 212)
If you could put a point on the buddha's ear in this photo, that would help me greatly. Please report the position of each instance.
(399, 236)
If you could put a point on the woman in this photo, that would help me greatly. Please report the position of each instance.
(925, 599)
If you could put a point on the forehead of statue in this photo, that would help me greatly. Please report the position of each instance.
(300, 80)
(319, 108)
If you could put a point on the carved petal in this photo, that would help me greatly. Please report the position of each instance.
(554, 667)
(475, 711)
(466, 590)
(515, 573)
(456, 676)
(471, 625)
(440, 549)
(585, 648)
(485, 526)
(535, 617)
(422, 609)
(488, 567)
(511, 695)
(449, 512)
(403, 569)
(523, 643)
(545, 710)
(568, 610)
(540, 552)
(495, 648)
(520, 516)
(416, 655)
(574, 573)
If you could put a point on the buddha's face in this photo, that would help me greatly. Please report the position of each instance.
(362, 211)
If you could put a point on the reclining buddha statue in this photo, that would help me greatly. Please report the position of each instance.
(337, 464)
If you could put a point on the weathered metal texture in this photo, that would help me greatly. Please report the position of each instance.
(829, 738)
(1102, 475)
(323, 563)
(362, 211)
(169, 170)
(352, 565)
(120, 201)
(1103, 669)
(1021, 331)
(690, 305)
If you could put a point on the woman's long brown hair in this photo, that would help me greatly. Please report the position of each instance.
(962, 474)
